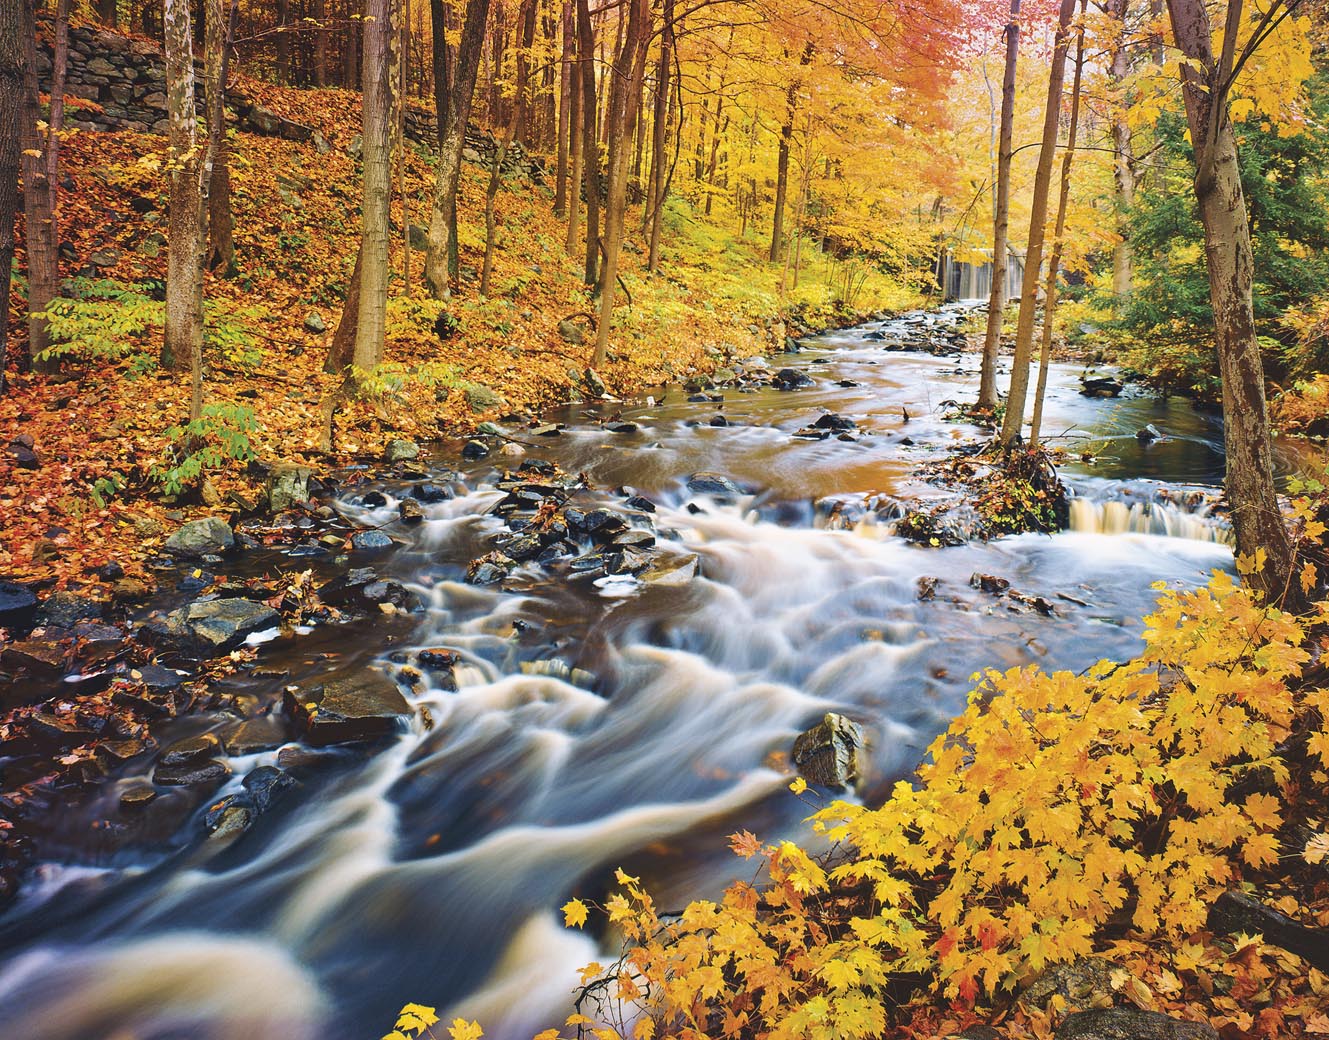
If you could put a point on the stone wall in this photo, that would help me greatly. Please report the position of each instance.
(127, 80)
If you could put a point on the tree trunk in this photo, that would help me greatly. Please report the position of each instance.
(1054, 262)
(220, 219)
(565, 101)
(40, 165)
(1257, 520)
(342, 351)
(660, 136)
(521, 114)
(590, 142)
(574, 156)
(351, 55)
(283, 41)
(11, 111)
(320, 43)
(1013, 424)
(624, 97)
(379, 77)
(782, 161)
(1123, 161)
(987, 384)
(182, 345)
(441, 264)
(438, 20)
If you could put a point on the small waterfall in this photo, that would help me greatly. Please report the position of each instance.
(1169, 519)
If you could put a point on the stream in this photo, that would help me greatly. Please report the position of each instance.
(432, 870)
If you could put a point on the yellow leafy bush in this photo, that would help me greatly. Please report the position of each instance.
(1055, 808)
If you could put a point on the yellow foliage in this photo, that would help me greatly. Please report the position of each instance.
(1054, 803)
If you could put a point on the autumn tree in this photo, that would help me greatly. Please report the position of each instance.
(380, 36)
(987, 387)
(40, 164)
(441, 256)
(1207, 82)
(1013, 422)
(626, 75)
(182, 345)
(11, 105)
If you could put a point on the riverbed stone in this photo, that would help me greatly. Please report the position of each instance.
(347, 710)
(18, 606)
(262, 733)
(198, 538)
(708, 483)
(371, 542)
(190, 750)
(206, 774)
(827, 754)
(220, 625)
(287, 486)
(1130, 1024)
(265, 784)
(791, 379)
(400, 450)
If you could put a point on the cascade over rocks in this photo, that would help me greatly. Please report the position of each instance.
(347, 710)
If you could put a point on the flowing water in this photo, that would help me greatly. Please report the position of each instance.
(432, 871)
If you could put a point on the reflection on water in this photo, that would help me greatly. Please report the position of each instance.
(432, 872)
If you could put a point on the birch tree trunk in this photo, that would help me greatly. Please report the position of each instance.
(987, 383)
(441, 256)
(1257, 520)
(379, 77)
(1123, 162)
(1054, 262)
(1013, 424)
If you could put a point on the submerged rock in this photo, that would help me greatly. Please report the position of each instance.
(1104, 386)
(708, 483)
(791, 379)
(827, 754)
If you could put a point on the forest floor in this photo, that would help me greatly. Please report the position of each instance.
(99, 427)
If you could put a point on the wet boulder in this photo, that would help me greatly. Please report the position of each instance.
(827, 754)
(835, 423)
(707, 483)
(431, 494)
(265, 783)
(1130, 1024)
(1148, 434)
(206, 774)
(475, 450)
(489, 569)
(410, 511)
(204, 537)
(348, 710)
(255, 735)
(18, 606)
(66, 609)
(670, 572)
(223, 624)
(371, 542)
(287, 485)
(1102, 386)
(191, 750)
(791, 379)
(229, 817)
(399, 450)
(989, 583)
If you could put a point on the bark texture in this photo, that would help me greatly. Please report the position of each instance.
(987, 385)
(379, 74)
(441, 256)
(11, 105)
(1013, 424)
(1257, 520)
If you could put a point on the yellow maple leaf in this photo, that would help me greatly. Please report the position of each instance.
(574, 913)
(463, 1030)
